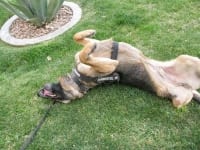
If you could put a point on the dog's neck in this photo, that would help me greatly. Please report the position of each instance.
(86, 82)
(81, 80)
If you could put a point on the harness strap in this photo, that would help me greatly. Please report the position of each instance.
(94, 47)
(115, 48)
(77, 76)
(109, 78)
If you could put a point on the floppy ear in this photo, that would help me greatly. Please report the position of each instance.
(100, 64)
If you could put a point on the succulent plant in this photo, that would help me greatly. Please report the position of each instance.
(37, 12)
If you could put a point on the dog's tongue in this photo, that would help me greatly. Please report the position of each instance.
(47, 93)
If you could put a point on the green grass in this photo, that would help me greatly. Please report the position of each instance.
(110, 116)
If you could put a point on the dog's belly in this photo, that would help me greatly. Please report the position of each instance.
(135, 75)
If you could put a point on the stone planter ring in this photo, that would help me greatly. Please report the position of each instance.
(6, 37)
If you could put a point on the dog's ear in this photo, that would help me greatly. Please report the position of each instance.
(100, 64)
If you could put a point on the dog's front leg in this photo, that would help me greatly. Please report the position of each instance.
(83, 37)
(100, 64)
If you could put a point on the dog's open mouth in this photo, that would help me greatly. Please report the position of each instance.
(46, 94)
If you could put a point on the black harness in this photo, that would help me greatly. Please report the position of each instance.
(79, 78)
(115, 49)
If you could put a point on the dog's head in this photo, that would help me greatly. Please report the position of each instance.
(64, 91)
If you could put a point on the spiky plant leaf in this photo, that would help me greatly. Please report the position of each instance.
(35, 21)
(24, 10)
(43, 9)
(27, 5)
(12, 9)
(53, 7)
(40, 9)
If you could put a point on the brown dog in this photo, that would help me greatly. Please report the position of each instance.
(109, 61)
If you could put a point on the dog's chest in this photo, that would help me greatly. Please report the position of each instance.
(135, 75)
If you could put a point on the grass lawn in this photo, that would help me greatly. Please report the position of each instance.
(111, 116)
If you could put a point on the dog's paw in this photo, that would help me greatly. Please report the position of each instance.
(90, 33)
(65, 101)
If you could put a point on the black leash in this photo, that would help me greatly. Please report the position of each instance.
(33, 133)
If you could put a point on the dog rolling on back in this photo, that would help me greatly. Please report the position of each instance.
(110, 61)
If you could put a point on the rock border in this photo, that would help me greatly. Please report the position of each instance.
(6, 37)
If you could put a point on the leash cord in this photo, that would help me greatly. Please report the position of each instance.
(33, 133)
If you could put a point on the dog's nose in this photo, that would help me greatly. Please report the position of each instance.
(40, 92)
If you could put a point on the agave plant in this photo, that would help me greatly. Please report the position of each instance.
(37, 12)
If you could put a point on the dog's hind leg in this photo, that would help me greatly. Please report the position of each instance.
(181, 96)
(187, 69)
(83, 37)
(196, 96)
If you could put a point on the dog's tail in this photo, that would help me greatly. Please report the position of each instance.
(196, 96)
(83, 37)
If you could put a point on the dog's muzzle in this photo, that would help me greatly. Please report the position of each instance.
(46, 92)
(51, 91)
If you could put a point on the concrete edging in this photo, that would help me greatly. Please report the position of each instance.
(6, 37)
